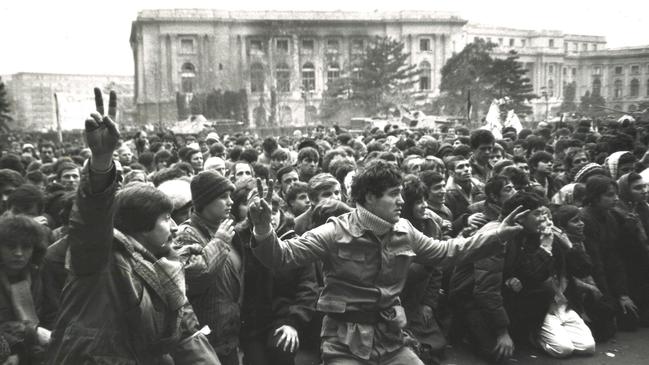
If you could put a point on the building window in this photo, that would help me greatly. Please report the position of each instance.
(187, 77)
(618, 70)
(523, 42)
(187, 46)
(358, 46)
(256, 45)
(424, 76)
(308, 77)
(617, 107)
(574, 71)
(550, 88)
(282, 45)
(594, 46)
(285, 115)
(584, 47)
(565, 71)
(356, 72)
(597, 87)
(511, 42)
(635, 69)
(632, 108)
(575, 47)
(307, 45)
(424, 44)
(283, 77)
(551, 43)
(550, 69)
(500, 41)
(333, 45)
(635, 88)
(333, 73)
(256, 78)
(617, 89)
(565, 47)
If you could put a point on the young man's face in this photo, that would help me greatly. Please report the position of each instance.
(536, 220)
(419, 209)
(47, 154)
(575, 226)
(462, 171)
(277, 164)
(288, 180)
(523, 166)
(506, 192)
(518, 150)
(414, 165)
(300, 204)
(483, 152)
(218, 209)
(387, 206)
(496, 156)
(330, 193)
(308, 166)
(70, 179)
(544, 167)
(639, 190)
(159, 239)
(125, 157)
(437, 193)
(580, 159)
(242, 171)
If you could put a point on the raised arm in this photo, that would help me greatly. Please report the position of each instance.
(91, 221)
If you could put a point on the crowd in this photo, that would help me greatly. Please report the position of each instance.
(380, 247)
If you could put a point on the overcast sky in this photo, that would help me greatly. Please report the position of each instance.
(77, 36)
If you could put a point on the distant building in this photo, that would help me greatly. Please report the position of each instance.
(192, 50)
(34, 104)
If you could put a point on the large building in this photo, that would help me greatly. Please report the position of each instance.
(295, 54)
(34, 104)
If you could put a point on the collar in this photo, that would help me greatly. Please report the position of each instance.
(368, 221)
(197, 220)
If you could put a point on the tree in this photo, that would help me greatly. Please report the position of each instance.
(589, 105)
(569, 94)
(384, 79)
(5, 108)
(467, 73)
(509, 80)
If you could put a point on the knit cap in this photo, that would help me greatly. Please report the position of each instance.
(207, 186)
(589, 170)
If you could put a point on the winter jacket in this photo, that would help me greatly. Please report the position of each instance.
(120, 305)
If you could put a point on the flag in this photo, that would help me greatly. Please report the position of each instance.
(493, 120)
(513, 121)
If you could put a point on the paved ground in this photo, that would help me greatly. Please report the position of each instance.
(626, 349)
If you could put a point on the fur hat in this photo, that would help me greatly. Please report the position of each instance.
(178, 191)
(207, 186)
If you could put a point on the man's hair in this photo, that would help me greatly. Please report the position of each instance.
(187, 156)
(539, 156)
(481, 136)
(296, 189)
(527, 200)
(519, 159)
(12, 162)
(44, 144)
(377, 177)
(430, 178)
(517, 176)
(279, 154)
(494, 185)
(65, 166)
(162, 155)
(217, 149)
(249, 154)
(319, 183)
(453, 161)
(36, 177)
(269, 145)
(308, 152)
(330, 155)
(261, 171)
(21, 230)
(138, 207)
(283, 171)
(24, 198)
(596, 186)
(10, 177)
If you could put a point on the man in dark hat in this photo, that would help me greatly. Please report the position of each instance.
(213, 266)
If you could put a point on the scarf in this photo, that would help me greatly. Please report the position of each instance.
(165, 276)
(22, 301)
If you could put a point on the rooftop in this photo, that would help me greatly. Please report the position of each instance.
(272, 15)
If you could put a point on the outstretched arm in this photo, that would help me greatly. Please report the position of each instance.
(91, 221)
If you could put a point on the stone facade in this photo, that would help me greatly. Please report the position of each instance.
(196, 50)
(34, 106)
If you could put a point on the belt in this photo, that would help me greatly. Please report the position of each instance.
(360, 317)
